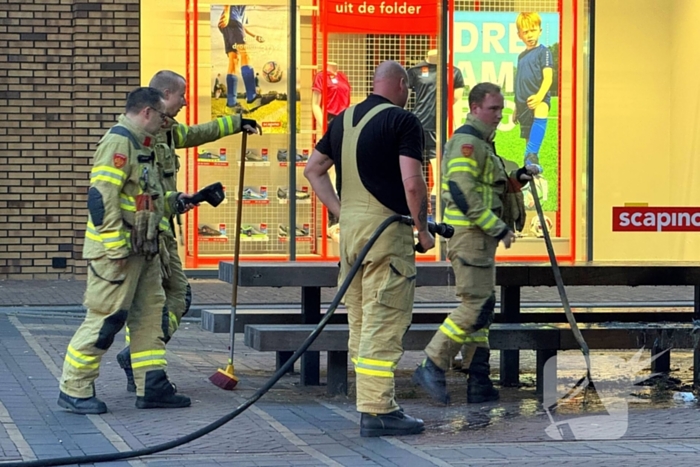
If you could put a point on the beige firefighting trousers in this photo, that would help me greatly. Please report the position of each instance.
(380, 298)
(116, 295)
(472, 254)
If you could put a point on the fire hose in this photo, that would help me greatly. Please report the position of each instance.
(440, 229)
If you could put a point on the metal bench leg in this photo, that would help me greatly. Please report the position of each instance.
(543, 356)
(662, 364)
(510, 359)
(281, 358)
(310, 314)
(337, 373)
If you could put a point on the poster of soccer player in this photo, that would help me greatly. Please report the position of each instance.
(520, 53)
(249, 60)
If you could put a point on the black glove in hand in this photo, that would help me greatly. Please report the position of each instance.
(249, 123)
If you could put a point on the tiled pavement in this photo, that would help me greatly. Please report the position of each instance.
(294, 426)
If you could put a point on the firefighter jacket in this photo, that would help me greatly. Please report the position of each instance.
(178, 135)
(473, 169)
(123, 168)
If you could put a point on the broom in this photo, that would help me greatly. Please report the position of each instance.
(226, 379)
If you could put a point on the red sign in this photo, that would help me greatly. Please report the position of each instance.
(419, 17)
(656, 219)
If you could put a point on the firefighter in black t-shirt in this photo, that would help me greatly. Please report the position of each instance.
(376, 147)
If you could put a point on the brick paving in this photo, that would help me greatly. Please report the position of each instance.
(295, 426)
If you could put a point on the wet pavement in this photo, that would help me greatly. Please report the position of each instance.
(620, 423)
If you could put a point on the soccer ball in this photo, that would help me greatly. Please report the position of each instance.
(272, 72)
(536, 226)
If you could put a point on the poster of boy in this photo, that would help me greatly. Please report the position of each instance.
(520, 53)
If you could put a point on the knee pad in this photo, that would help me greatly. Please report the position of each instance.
(111, 326)
(486, 314)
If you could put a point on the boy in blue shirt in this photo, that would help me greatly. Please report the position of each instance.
(532, 83)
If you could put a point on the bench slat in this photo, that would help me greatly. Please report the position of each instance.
(556, 336)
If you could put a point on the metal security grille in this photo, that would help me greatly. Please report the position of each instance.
(507, 5)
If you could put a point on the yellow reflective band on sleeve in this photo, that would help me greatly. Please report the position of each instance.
(477, 337)
(456, 217)
(108, 239)
(371, 367)
(486, 220)
(225, 125)
(105, 173)
(457, 165)
(80, 360)
(148, 358)
(454, 332)
(462, 162)
(173, 320)
(181, 132)
(164, 224)
(127, 203)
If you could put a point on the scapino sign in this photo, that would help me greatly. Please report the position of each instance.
(656, 219)
(381, 16)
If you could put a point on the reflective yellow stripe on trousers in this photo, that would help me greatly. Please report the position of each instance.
(371, 367)
(478, 337)
(148, 358)
(80, 360)
(454, 332)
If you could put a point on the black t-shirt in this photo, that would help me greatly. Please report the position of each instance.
(392, 132)
(422, 78)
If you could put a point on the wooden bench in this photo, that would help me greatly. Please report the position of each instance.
(311, 277)
(545, 339)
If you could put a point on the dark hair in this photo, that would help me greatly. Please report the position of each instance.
(166, 79)
(140, 98)
(479, 92)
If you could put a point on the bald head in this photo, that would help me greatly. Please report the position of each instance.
(391, 82)
(166, 79)
(172, 85)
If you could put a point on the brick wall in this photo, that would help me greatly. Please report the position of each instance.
(65, 70)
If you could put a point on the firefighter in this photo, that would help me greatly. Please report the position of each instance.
(484, 204)
(174, 135)
(126, 208)
(377, 149)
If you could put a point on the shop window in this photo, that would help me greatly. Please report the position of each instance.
(335, 59)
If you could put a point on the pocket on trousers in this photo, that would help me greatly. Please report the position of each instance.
(398, 288)
(104, 287)
(473, 266)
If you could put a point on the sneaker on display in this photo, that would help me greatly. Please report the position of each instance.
(207, 155)
(250, 193)
(251, 231)
(283, 231)
(208, 231)
(253, 155)
(283, 156)
(283, 193)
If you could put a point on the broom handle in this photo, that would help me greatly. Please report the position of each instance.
(237, 248)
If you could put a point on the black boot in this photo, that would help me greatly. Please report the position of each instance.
(396, 423)
(124, 360)
(86, 405)
(432, 378)
(479, 385)
(160, 393)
